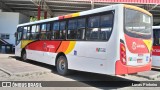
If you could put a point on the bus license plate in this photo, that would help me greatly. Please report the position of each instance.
(139, 60)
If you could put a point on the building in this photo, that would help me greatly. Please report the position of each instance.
(8, 25)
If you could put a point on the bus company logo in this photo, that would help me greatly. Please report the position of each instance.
(135, 46)
(50, 46)
(100, 50)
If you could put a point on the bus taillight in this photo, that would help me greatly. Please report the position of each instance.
(123, 53)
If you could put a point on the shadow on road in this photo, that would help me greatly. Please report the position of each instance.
(90, 79)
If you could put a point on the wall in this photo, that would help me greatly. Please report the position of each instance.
(9, 22)
(23, 19)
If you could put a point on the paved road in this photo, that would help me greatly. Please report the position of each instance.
(51, 75)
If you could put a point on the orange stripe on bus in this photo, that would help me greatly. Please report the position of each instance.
(138, 9)
(64, 46)
(68, 16)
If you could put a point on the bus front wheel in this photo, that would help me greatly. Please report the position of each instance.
(24, 56)
(62, 65)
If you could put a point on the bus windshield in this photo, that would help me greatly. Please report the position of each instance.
(137, 24)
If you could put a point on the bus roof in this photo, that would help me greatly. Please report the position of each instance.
(97, 10)
(102, 9)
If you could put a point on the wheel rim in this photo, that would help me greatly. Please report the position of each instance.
(62, 65)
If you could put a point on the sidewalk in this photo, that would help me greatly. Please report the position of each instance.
(16, 67)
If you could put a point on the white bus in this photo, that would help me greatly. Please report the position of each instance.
(111, 40)
(156, 46)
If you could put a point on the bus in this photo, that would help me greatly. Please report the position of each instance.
(113, 40)
(156, 47)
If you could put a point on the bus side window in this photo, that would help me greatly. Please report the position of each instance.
(43, 32)
(34, 33)
(48, 31)
(24, 33)
(81, 28)
(55, 31)
(156, 35)
(99, 27)
(72, 29)
(62, 30)
(28, 33)
(92, 33)
(19, 35)
(37, 32)
(33, 28)
(106, 25)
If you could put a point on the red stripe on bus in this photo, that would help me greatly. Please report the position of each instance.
(156, 50)
(44, 45)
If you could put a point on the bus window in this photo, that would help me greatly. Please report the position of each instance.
(72, 29)
(38, 31)
(137, 24)
(156, 35)
(62, 30)
(24, 33)
(81, 28)
(48, 31)
(93, 28)
(43, 31)
(55, 31)
(34, 32)
(19, 35)
(106, 25)
(28, 32)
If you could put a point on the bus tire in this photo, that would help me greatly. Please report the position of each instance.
(62, 65)
(24, 56)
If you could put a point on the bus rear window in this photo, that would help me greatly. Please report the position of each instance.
(137, 24)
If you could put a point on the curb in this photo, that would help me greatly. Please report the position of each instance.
(150, 77)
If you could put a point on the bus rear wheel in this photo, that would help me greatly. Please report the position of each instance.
(62, 65)
(24, 56)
